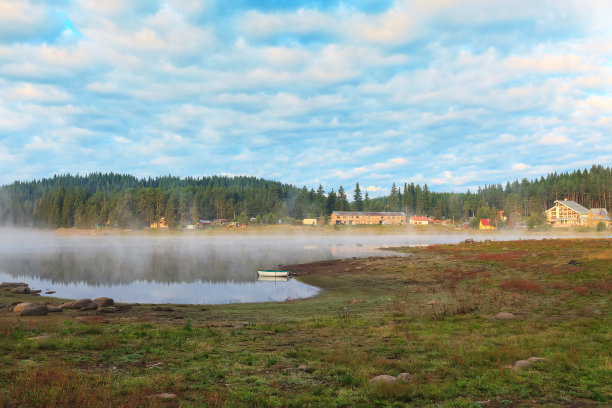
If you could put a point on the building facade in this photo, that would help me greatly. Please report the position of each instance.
(597, 215)
(419, 220)
(361, 218)
(485, 224)
(567, 214)
(309, 221)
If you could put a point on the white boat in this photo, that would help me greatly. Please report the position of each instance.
(271, 273)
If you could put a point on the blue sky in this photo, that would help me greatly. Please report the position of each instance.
(454, 94)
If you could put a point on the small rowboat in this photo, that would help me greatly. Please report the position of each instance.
(274, 274)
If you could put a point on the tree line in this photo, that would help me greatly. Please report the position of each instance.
(125, 201)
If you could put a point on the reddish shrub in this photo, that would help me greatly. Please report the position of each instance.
(522, 285)
(581, 290)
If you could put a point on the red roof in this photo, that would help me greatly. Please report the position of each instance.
(485, 222)
(419, 218)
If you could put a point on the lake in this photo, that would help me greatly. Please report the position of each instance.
(193, 267)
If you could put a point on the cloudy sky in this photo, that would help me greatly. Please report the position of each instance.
(454, 94)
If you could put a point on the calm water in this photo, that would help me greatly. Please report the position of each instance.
(189, 268)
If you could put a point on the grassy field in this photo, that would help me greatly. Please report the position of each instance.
(429, 312)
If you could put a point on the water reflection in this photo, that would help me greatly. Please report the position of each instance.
(180, 269)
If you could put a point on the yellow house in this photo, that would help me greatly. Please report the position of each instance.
(362, 217)
(597, 215)
(159, 224)
(485, 224)
(309, 221)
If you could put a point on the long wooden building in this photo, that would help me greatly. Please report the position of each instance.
(567, 214)
(362, 217)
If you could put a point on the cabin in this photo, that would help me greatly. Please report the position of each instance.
(419, 220)
(201, 224)
(485, 224)
(159, 224)
(367, 218)
(565, 213)
(309, 221)
(597, 215)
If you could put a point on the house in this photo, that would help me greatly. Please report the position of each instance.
(362, 217)
(309, 221)
(501, 216)
(485, 224)
(159, 224)
(597, 215)
(419, 220)
(201, 224)
(220, 221)
(565, 213)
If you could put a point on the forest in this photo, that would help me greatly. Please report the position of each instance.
(124, 201)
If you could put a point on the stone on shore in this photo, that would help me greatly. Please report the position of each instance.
(104, 301)
(404, 377)
(35, 310)
(22, 290)
(20, 306)
(11, 285)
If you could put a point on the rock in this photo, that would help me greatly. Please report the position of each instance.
(89, 306)
(11, 285)
(41, 337)
(35, 310)
(164, 395)
(303, 368)
(357, 301)
(469, 241)
(20, 306)
(535, 359)
(404, 377)
(23, 290)
(432, 302)
(52, 308)
(383, 379)
(505, 316)
(77, 304)
(104, 301)
(34, 292)
(573, 262)
(163, 309)
(526, 363)
(49, 292)
(109, 309)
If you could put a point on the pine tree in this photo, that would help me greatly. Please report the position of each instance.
(357, 199)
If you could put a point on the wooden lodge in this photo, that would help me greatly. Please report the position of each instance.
(567, 214)
(362, 217)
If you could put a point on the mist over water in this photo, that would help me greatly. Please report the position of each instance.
(188, 268)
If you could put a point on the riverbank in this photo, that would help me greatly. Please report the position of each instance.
(431, 314)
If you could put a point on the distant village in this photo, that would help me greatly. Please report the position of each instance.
(564, 213)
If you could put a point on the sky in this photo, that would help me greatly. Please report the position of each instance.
(452, 94)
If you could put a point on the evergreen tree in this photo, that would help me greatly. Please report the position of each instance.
(357, 198)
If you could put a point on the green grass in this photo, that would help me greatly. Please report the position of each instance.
(368, 321)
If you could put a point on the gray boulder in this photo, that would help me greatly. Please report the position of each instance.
(78, 304)
(35, 310)
(20, 306)
(404, 377)
(11, 285)
(383, 379)
(22, 290)
(104, 301)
